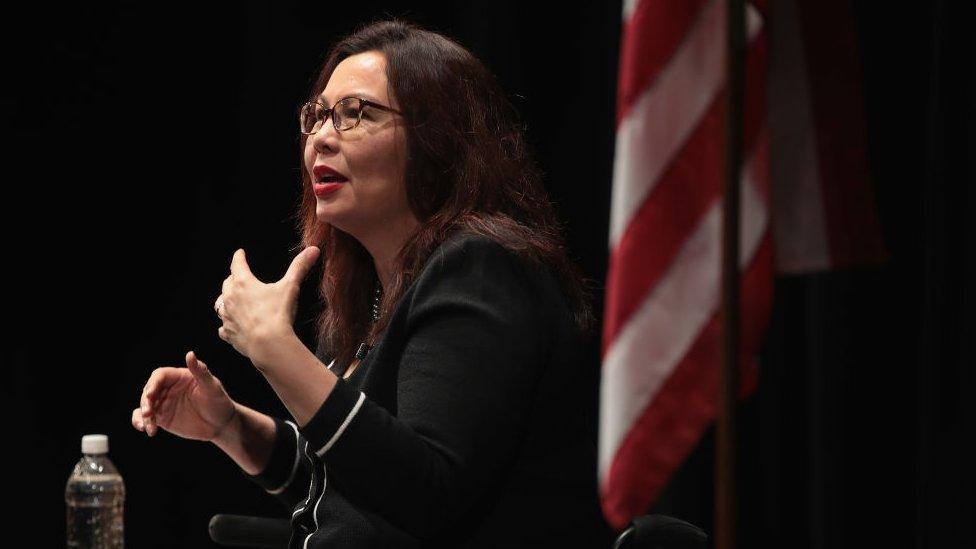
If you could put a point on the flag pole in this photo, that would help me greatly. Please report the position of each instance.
(726, 494)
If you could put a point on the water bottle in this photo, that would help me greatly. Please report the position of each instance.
(95, 496)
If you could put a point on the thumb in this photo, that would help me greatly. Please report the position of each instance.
(302, 264)
(197, 367)
(238, 264)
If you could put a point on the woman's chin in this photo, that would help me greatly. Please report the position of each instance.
(328, 213)
(324, 213)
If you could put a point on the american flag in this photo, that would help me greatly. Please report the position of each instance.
(661, 340)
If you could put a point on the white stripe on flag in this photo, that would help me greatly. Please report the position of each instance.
(668, 112)
(629, 7)
(658, 335)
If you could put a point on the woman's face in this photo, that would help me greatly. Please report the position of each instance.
(367, 196)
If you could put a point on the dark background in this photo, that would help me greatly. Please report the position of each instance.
(145, 143)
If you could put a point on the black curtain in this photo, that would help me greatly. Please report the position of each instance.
(862, 431)
(145, 143)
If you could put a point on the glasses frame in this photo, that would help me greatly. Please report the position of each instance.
(330, 113)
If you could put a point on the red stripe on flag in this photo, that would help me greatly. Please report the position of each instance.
(671, 425)
(663, 223)
(677, 203)
(646, 46)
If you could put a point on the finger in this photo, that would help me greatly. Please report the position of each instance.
(302, 264)
(137, 421)
(145, 405)
(238, 265)
(149, 422)
(151, 390)
(143, 402)
(161, 400)
(143, 422)
(227, 332)
(158, 380)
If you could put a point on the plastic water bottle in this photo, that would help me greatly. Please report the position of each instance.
(95, 496)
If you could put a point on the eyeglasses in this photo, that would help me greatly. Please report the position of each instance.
(346, 114)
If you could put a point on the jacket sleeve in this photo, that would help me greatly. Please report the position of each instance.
(286, 476)
(468, 369)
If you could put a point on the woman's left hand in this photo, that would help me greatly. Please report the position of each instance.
(255, 314)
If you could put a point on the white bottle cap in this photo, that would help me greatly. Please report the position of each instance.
(94, 444)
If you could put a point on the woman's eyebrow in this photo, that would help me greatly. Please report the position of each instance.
(364, 95)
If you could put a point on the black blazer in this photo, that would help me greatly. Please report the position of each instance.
(471, 423)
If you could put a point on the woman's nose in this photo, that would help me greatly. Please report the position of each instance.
(326, 138)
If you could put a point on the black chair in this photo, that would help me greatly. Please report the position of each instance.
(647, 532)
(241, 531)
(661, 532)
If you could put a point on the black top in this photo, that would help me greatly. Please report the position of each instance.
(471, 423)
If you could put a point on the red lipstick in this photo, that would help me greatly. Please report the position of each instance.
(321, 171)
(327, 180)
(325, 189)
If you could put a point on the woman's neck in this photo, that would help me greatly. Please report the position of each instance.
(385, 245)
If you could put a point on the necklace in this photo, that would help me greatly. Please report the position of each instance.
(377, 297)
(364, 347)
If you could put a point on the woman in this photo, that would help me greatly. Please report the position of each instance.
(455, 409)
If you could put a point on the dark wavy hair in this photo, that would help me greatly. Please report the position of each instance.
(468, 170)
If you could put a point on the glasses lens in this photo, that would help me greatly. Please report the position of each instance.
(347, 113)
(311, 117)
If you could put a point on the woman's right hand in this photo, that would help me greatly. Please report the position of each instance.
(188, 402)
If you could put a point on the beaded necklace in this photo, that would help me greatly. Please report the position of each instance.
(364, 347)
